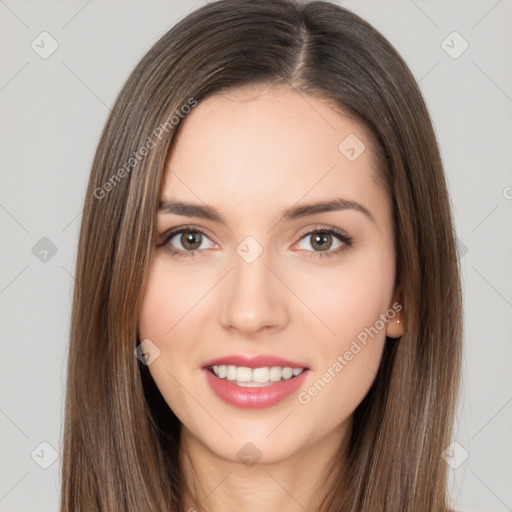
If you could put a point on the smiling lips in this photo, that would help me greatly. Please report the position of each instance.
(254, 382)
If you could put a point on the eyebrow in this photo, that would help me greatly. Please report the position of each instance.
(295, 212)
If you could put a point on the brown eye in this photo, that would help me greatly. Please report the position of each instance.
(321, 241)
(187, 240)
(325, 242)
(191, 240)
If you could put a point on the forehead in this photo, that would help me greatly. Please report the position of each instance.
(269, 145)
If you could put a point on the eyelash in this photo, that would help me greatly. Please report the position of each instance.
(342, 237)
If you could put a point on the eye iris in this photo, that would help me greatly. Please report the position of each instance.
(191, 240)
(321, 241)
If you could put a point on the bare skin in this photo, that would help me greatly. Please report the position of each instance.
(251, 154)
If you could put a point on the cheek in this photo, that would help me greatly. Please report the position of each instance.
(174, 310)
(163, 320)
(170, 296)
(349, 297)
(154, 318)
(340, 386)
(347, 361)
(350, 302)
(161, 316)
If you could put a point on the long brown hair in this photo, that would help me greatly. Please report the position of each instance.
(121, 440)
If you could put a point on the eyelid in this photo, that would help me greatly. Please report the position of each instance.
(321, 227)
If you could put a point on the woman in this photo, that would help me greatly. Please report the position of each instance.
(267, 229)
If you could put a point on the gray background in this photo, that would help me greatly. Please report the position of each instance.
(53, 111)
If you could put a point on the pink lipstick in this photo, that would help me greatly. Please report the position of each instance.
(254, 382)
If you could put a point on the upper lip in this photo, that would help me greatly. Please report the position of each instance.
(259, 361)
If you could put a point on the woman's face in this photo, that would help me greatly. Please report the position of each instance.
(267, 279)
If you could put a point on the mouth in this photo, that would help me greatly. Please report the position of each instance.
(254, 382)
(254, 377)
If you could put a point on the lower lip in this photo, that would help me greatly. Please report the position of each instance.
(254, 398)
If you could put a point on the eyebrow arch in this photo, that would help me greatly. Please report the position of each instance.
(295, 212)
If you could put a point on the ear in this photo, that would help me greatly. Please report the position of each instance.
(395, 327)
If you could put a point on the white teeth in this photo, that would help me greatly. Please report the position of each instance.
(275, 374)
(287, 373)
(231, 373)
(255, 377)
(243, 374)
(261, 375)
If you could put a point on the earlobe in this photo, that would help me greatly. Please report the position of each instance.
(395, 327)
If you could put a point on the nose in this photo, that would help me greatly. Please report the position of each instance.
(253, 299)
